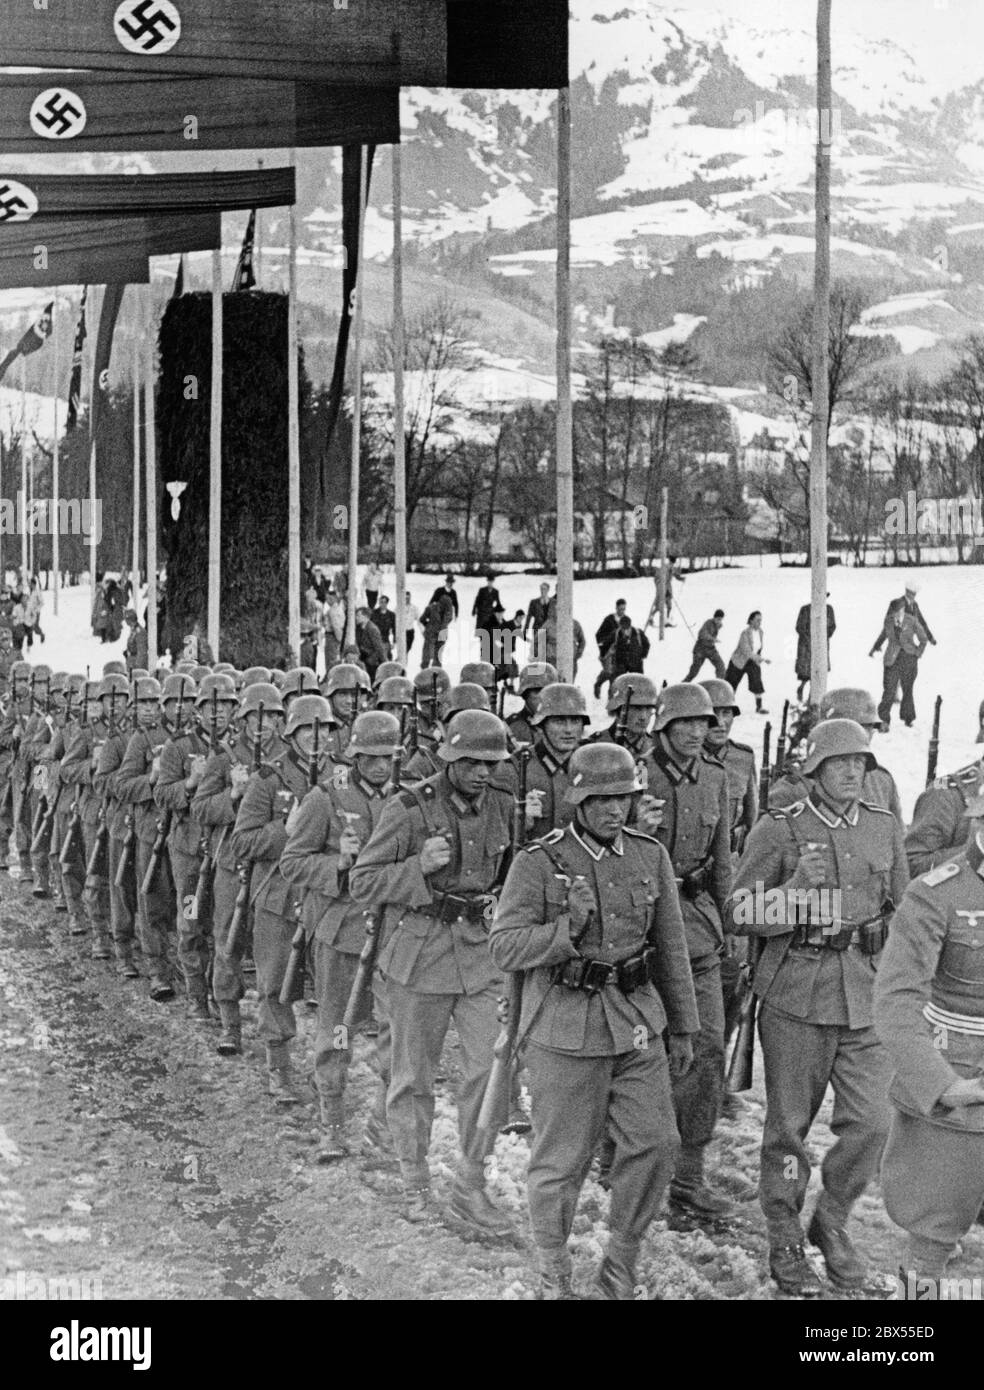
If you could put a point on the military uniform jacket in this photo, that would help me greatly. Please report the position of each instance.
(932, 970)
(696, 829)
(310, 860)
(417, 949)
(259, 836)
(78, 770)
(11, 728)
(939, 827)
(865, 861)
(50, 756)
(110, 761)
(544, 773)
(133, 788)
(877, 789)
(213, 806)
(171, 794)
(424, 763)
(633, 884)
(738, 761)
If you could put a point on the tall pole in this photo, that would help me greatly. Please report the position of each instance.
(135, 566)
(94, 529)
(565, 442)
(150, 458)
(215, 461)
(353, 517)
(23, 506)
(821, 394)
(293, 453)
(55, 512)
(399, 432)
(664, 518)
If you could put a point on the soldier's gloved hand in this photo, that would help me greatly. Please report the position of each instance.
(434, 855)
(534, 804)
(580, 904)
(969, 1091)
(650, 814)
(810, 871)
(681, 1053)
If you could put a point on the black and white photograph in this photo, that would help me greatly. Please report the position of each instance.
(491, 721)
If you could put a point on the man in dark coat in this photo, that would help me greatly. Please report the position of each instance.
(804, 649)
(605, 637)
(905, 634)
(372, 649)
(630, 648)
(447, 592)
(488, 612)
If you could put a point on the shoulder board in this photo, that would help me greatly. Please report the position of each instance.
(743, 747)
(941, 873)
(639, 834)
(882, 810)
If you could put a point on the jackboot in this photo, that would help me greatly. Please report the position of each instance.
(160, 989)
(616, 1282)
(332, 1146)
(281, 1084)
(101, 942)
(555, 1284)
(691, 1196)
(76, 923)
(377, 1144)
(198, 1009)
(124, 961)
(230, 1042)
(472, 1207)
(419, 1206)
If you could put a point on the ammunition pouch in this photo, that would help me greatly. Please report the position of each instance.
(449, 907)
(868, 936)
(697, 881)
(594, 975)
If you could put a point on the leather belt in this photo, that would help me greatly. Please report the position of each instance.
(450, 907)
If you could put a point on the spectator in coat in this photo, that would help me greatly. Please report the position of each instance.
(706, 647)
(605, 637)
(33, 604)
(804, 649)
(449, 592)
(136, 642)
(488, 612)
(747, 659)
(334, 628)
(905, 635)
(629, 650)
(551, 635)
(373, 584)
(435, 621)
(100, 614)
(411, 616)
(536, 618)
(371, 647)
(386, 623)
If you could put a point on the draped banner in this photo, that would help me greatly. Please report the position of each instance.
(358, 43)
(62, 111)
(75, 381)
(33, 340)
(102, 251)
(108, 314)
(135, 195)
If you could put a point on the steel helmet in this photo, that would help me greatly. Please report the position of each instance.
(90, 691)
(601, 769)
(263, 693)
(431, 684)
(223, 668)
(179, 686)
(467, 695)
(835, 738)
(374, 733)
(146, 688)
(114, 683)
(224, 688)
(722, 694)
(114, 668)
(849, 702)
(536, 675)
(687, 700)
(346, 676)
(201, 671)
(75, 683)
(385, 670)
(301, 680)
(277, 677)
(478, 673)
(254, 674)
(644, 692)
(41, 675)
(307, 711)
(478, 734)
(395, 690)
(20, 671)
(137, 671)
(58, 682)
(186, 668)
(560, 701)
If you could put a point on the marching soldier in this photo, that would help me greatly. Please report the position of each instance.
(432, 867)
(687, 805)
(145, 697)
(135, 784)
(36, 737)
(879, 784)
(49, 752)
(940, 827)
(840, 865)
(215, 807)
(69, 877)
(259, 838)
(114, 693)
(427, 760)
(591, 913)
(348, 690)
(23, 682)
(385, 671)
(532, 679)
(558, 728)
(76, 777)
(332, 824)
(395, 695)
(638, 715)
(182, 766)
(16, 711)
(737, 759)
(431, 686)
(480, 673)
(929, 1014)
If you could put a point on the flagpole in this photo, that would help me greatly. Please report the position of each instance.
(55, 513)
(293, 450)
(565, 450)
(215, 461)
(150, 458)
(135, 568)
(30, 515)
(399, 434)
(821, 393)
(23, 506)
(353, 517)
(94, 529)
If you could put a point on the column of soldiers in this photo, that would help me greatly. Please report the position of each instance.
(395, 850)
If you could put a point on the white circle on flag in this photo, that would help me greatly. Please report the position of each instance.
(58, 114)
(17, 202)
(147, 26)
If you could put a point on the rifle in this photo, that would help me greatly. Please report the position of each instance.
(413, 718)
(934, 744)
(361, 992)
(244, 869)
(166, 820)
(298, 945)
(740, 1067)
(98, 866)
(622, 723)
(73, 831)
(501, 702)
(780, 762)
(765, 776)
(206, 869)
(495, 1102)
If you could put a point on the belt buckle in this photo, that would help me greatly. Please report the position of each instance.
(597, 975)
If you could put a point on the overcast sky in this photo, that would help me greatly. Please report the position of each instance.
(946, 36)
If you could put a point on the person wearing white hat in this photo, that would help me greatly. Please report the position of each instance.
(905, 634)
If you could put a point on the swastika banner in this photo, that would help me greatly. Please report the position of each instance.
(24, 196)
(353, 42)
(63, 111)
(101, 251)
